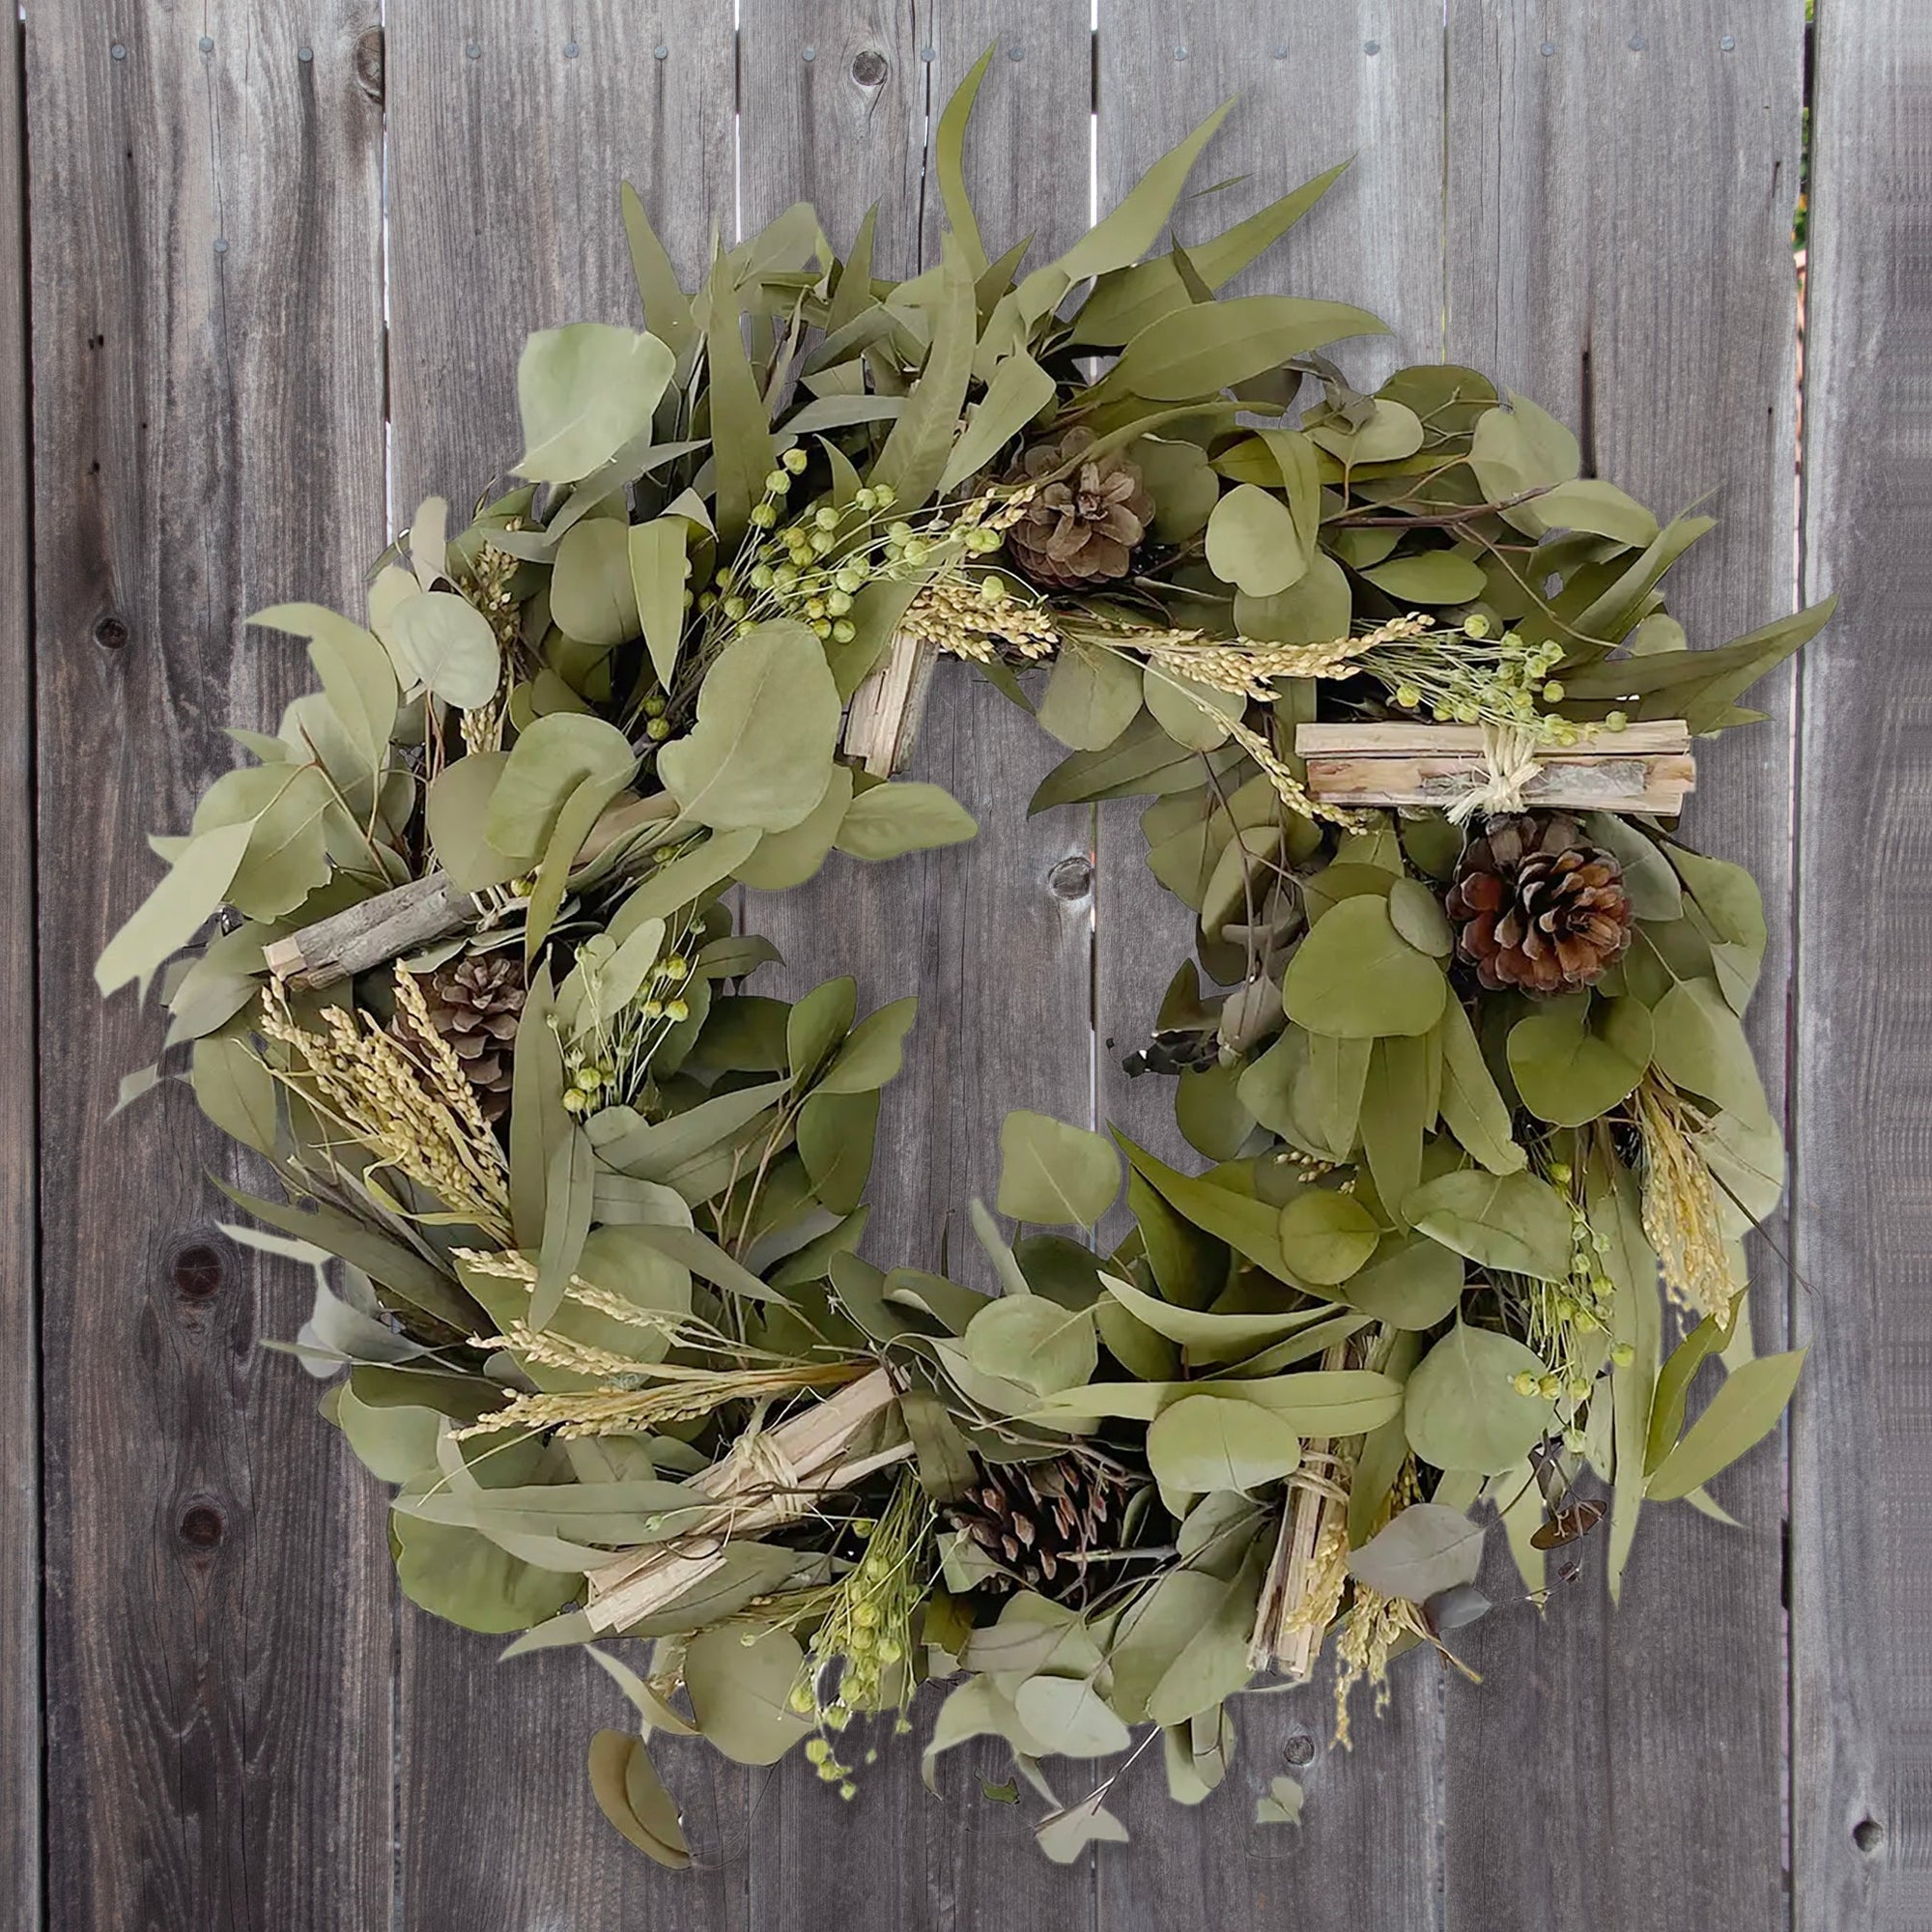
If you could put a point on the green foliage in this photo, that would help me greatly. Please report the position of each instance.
(608, 1350)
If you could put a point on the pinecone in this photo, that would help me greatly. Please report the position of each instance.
(1083, 528)
(1537, 906)
(1039, 1520)
(476, 1003)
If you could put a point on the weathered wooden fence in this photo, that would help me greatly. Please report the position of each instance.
(267, 268)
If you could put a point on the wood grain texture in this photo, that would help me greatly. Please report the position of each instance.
(208, 439)
(1620, 193)
(20, 1718)
(1862, 1460)
(1310, 93)
(994, 936)
(504, 174)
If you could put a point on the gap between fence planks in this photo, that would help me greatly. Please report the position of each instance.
(20, 1499)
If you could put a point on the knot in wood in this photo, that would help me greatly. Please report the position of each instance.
(369, 63)
(202, 1525)
(111, 632)
(1299, 1749)
(1071, 878)
(197, 1272)
(870, 67)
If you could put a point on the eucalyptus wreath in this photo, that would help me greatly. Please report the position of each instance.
(1483, 1132)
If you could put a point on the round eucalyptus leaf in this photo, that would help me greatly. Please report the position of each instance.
(1573, 1060)
(1460, 1410)
(1068, 1715)
(1054, 1174)
(740, 1676)
(1219, 1442)
(1356, 978)
(760, 754)
(1417, 914)
(1410, 1284)
(1326, 1237)
(1253, 544)
(1314, 609)
(1509, 1221)
(1033, 1342)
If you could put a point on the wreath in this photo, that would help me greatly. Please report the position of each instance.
(1462, 1044)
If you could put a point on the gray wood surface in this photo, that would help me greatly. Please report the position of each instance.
(511, 156)
(242, 1724)
(1621, 188)
(19, 1179)
(1862, 1455)
(206, 441)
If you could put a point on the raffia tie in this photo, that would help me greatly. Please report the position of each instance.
(760, 1467)
(1509, 763)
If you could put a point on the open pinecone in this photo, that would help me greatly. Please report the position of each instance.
(1082, 528)
(1537, 906)
(1039, 1521)
(476, 1003)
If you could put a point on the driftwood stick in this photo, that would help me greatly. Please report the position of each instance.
(365, 935)
(1280, 1638)
(408, 918)
(883, 719)
(788, 1471)
(1646, 767)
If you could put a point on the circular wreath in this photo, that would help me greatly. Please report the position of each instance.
(1463, 1049)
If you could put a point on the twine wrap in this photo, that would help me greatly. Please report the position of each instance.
(757, 1468)
(1509, 763)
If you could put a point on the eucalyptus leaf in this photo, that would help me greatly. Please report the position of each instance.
(759, 755)
(584, 390)
(1054, 1174)
(1511, 1221)
(1421, 1549)
(1355, 976)
(1460, 1408)
(1206, 1442)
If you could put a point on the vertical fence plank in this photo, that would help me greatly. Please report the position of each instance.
(510, 132)
(208, 439)
(19, 1177)
(1861, 1467)
(1619, 200)
(1316, 85)
(1311, 93)
(994, 936)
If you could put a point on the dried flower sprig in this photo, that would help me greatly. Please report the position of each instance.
(639, 1395)
(412, 1109)
(858, 1657)
(1681, 1216)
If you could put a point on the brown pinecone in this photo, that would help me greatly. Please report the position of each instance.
(1039, 1520)
(476, 1003)
(1538, 907)
(1083, 528)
